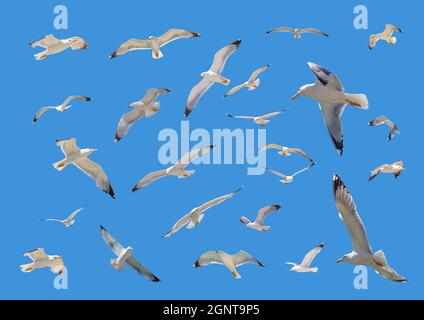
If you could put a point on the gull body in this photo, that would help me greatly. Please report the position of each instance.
(286, 151)
(54, 45)
(68, 222)
(362, 253)
(305, 265)
(60, 108)
(251, 84)
(231, 262)
(41, 260)
(258, 224)
(386, 35)
(332, 98)
(395, 168)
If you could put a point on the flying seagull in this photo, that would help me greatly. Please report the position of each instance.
(232, 262)
(54, 45)
(153, 43)
(146, 107)
(41, 260)
(79, 158)
(297, 33)
(251, 84)
(68, 222)
(330, 94)
(395, 168)
(196, 215)
(386, 35)
(305, 266)
(125, 255)
(177, 170)
(289, 179)
(258, 224)
(362, 253)
(286, 151)
(259, 120)
(212, 76)
(61, 108)
(390, 124)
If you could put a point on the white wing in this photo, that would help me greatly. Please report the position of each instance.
(313, 30)
(332, 116)
(96, 172)
(257, 72)
(301, 152)
(310, 256)
(81, 98)
(37, 254)
(141, 269)
(40, 113)
(68, 146)
(210, 257)
(152, 94)
(217, 201)
(127, 121)
(149, 178)
(303, 170)
(222, 56)
(234, 90)
(57, 265)
(270, 115)
(240, 117)
(277, 173)
(282, 29)
(178, 225)
(130, 45)
(190, 156)
(326, 77)
(347, 211)
(264, 212)
(46, 42)
(271, 146)
(175, 34)
(73, 214)
(242, 258)
(195, 94)
(116, 247)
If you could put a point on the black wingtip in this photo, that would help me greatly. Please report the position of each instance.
(195, 34)
(113, 55)
(88, 99)
(196, 264)
(277, 206)
(237, 43)
(102, 228)
(321, 245)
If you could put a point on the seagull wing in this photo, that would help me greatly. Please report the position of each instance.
(303, 170)
(46, 42)
(282, 29)
(116, 247)
(149, 178)
(382, 268)
(264, 212)
(310, 256)
(326, 77)
(277, 173)
(332, 116)
(243, 257)
(79, 43)
(207, 258)
(68, 146)
(52, 220)
(234, 90)
(40, 113)
(178, 225)
(127, 121)
(175, 34)
(73, 214)
(190, 156)
(222, 56)
(379, 120)
(390, 29)
(137, 266)
(37, 254)
(96, 172)
(70, 98)
(240, 117)
(257, 72)
(130, 45)
(301, 152)
(314, 30)
(195, 94)
(270, 115)
(152, 94)
(350, 217)
(271, 146)
(217, 201)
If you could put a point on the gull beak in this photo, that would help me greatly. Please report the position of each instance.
(296, 96)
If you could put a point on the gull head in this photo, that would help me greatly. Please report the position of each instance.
(245, 220)
(302, 91)
(203, 74)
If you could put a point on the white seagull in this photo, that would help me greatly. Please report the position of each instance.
(196, 215)
(362, 253)
(153, 43)
(79, 158)
(384, 120)
(258, 224)
(68, 222)
(232, 262)
(177, 170)
(305, 266)
(41, 260)
(61, 108)
(394, 168)
(332, 98)
(286, 151)
(146, 107)
(259, 120)
(289, 179)
(251, 84)
(54, 45)
(297, 33)
(125, 255)
(212, 76)
(386, 35)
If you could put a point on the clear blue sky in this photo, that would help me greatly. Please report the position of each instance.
(31, 189)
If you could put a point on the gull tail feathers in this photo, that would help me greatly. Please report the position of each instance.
(380, 258)
(357, 100)
(256, 84)
(157, 55)
(60, 165)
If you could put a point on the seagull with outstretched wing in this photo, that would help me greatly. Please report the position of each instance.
(386, 35)
(297, 33)
(305, 266)
(251, 84)
(263, 213)
(394, 130)
(69, 221)
(286, 151)
(289, 179)
(42, 260)
(395, 168)
(52, 45)
(259, 120)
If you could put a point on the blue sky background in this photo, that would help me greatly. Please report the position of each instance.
(31, 189)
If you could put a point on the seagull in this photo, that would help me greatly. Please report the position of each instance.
(286, 151)
(177, 170)
(125, 255)
(153, 43)
(395, 168)
(212, 76)
(79, 158)
(390, 124)
(259, 120)
(196, 215)
(146, 107)
(251, 84)
(232, 262)
(330, 94)
(68, 222)
(54, 45)
(61, 108)
(41, 260)
(260, 218)
(362, 253)
(298, 32)
(386, 35)
(304, 267)
(289, 179)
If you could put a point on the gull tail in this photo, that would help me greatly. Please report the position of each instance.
(157, 55)
(357, 100)
(256, 83)
(60, 165)
(236, 274)
(393, 40)
(27, 267)
(153, 110)
(394, 132)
